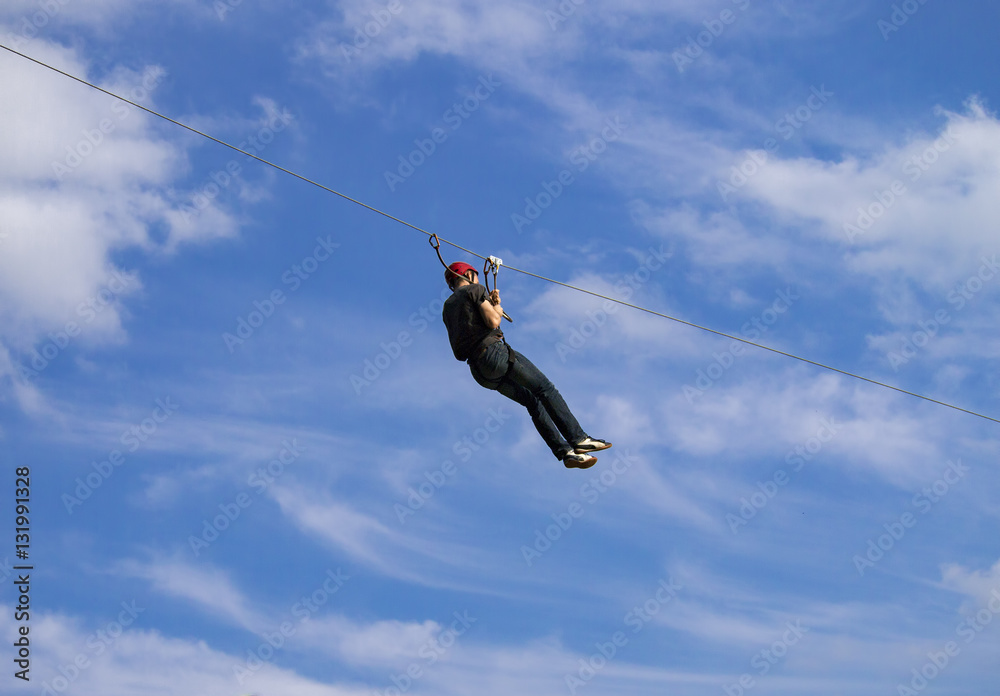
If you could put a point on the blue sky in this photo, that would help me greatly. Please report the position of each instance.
(257, 468)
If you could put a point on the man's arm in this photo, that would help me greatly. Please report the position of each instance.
(492, 313)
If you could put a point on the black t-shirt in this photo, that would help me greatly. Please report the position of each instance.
(464, 321)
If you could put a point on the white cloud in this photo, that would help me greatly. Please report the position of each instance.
(352, 531)
(513, 36)
(85, 176)
(379, 644)
(932, 227)
(579, 324)
(536, 49)
(395, 552)
(140, 660)
(715, 239)
(145, 661)
(209, 588)
(872, 428)
(982, 586)
(26, 394)
(506, 31)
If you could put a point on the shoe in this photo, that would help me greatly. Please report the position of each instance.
(572, 460)
(589, 444)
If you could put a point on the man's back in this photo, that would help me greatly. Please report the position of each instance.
(464, 321)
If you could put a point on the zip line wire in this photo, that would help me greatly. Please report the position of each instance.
(431, 235)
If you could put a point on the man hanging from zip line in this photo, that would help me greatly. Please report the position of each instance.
(472, 317)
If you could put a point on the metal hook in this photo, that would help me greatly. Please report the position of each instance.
(493, 264)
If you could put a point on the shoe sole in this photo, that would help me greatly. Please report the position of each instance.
(585, 465)
(595, 449)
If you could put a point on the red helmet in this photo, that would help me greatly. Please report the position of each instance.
(457, 269)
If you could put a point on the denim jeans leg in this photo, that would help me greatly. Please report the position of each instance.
(523, 386)
(539, 416)
(525, 374)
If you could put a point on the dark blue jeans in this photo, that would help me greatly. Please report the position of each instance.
(526, 385)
